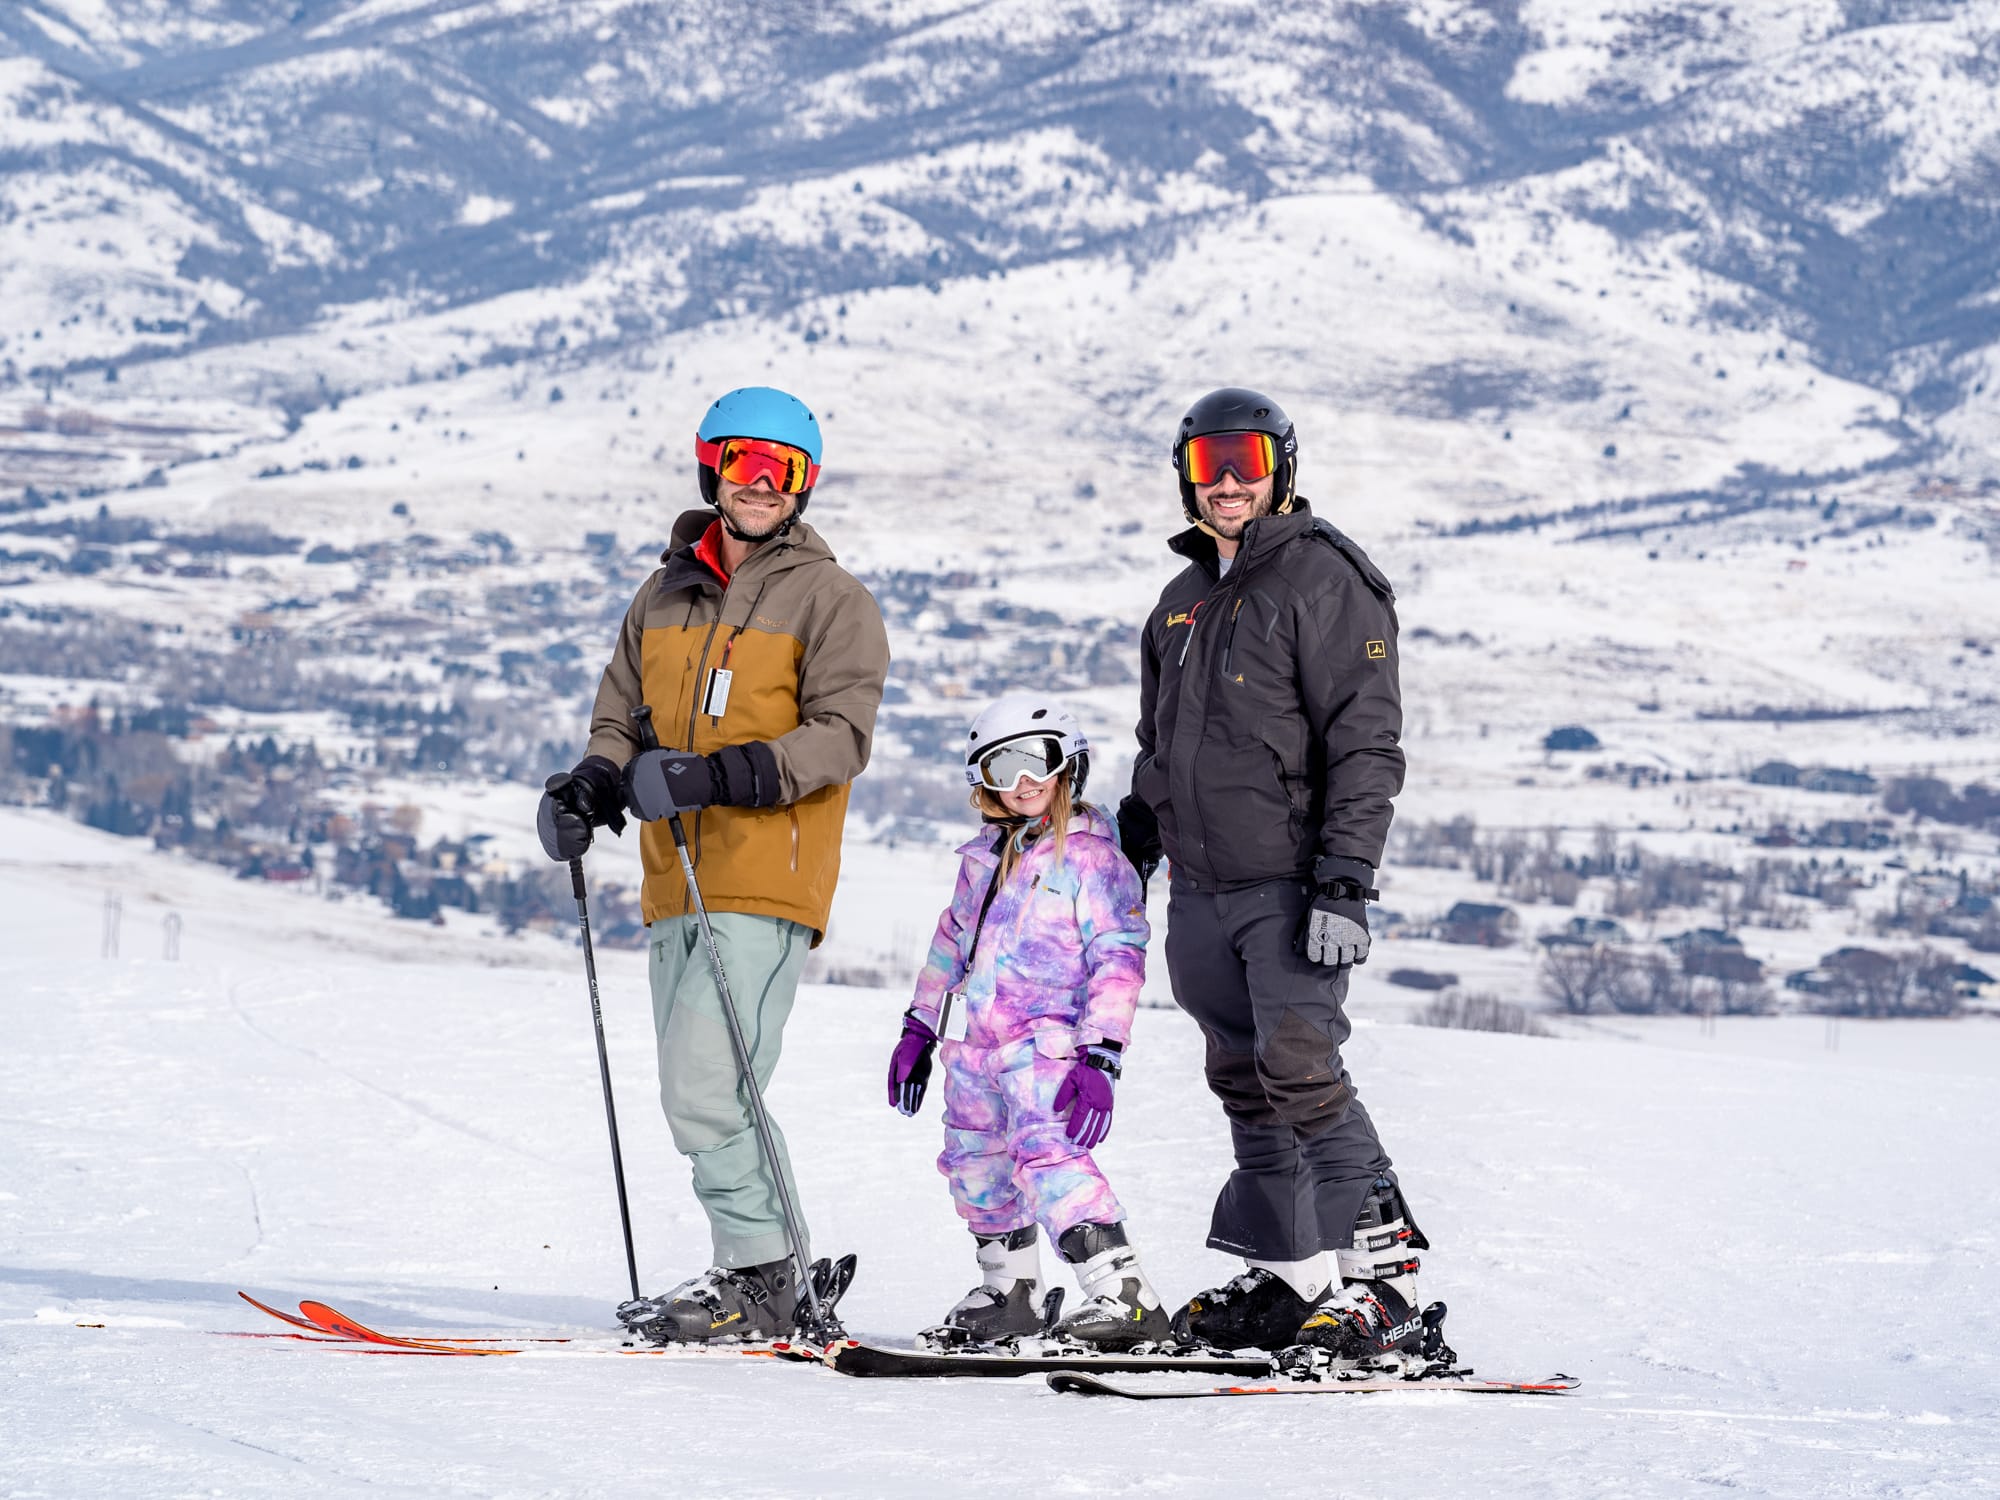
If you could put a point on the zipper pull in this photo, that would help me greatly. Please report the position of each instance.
(1194, 620)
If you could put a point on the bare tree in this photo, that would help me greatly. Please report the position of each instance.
(1580, 979)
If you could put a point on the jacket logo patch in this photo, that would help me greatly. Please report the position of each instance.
(1173, 620)
(768, 623)
(1378, 650)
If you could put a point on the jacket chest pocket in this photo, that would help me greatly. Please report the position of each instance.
(1045, 942)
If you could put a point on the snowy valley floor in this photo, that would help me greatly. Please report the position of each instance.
(1772, 1262)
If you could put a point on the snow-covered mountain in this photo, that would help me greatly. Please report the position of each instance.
(191, 176)
(1649, 345)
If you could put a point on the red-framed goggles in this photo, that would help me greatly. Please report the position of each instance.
(741, 460)
(1037, 758)
(1250, 456)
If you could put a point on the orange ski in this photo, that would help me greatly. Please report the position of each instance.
(332, 1320)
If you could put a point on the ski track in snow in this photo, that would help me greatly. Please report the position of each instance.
(416, 1107)
(1771, 1263)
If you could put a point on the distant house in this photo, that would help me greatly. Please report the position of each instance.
(1967, 982)
(1852, 833)
(1570, 737)
(1775, 773)
(454, 890)
(1585, 932)
(1701, 940)
(1480, 925)
(1860, 965)
(1730, 964)
(1834, 779)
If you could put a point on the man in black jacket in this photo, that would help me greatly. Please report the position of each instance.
(1269, 728)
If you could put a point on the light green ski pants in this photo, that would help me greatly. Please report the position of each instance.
(707, 1108)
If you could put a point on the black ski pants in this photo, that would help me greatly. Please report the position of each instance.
(1306, 1151)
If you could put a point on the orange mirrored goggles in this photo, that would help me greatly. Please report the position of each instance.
(1250, 456)
(741, 460)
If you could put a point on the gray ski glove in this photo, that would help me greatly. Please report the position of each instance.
(1338, 933)
(1336, 925)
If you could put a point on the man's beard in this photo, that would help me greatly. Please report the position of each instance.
(743, 534)
(1256, 510)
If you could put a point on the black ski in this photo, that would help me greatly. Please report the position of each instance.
(852, 1357)
(1079, 1383)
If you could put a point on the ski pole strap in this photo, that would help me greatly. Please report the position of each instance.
(954, 996)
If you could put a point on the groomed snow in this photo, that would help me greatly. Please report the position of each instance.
(1771, 1261)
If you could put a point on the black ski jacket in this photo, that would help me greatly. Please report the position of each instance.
(1270, 717)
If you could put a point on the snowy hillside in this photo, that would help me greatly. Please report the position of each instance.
(1771, 1262)
(350, 352)
(1643, 344)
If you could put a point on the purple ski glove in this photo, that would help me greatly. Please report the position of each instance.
(1086, 1094)
(910, 1065)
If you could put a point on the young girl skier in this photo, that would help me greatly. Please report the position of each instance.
(1031, 983)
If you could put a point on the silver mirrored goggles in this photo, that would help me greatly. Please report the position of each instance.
(1005, 767)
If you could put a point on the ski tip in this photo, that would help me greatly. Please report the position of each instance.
(282, 1317)
(1075, 1383)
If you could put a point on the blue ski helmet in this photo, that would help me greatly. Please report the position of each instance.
(756, 411)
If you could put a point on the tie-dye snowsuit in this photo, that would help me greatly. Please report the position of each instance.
(1060, 961)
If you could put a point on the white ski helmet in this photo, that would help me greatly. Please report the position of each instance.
(1027, 716)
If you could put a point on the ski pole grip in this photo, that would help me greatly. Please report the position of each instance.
(643, 717)
(576, 880)
(648, 740)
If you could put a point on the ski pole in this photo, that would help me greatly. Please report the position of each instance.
(648, 740)
(556, 783)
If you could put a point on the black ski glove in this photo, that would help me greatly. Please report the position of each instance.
(1139, 835)
(574, 802)
(659, 782)
(1335, 930)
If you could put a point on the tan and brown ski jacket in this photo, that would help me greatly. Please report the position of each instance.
(804, 645)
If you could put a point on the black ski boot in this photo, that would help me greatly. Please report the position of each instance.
(1372, 1321)
(746, 1305)
(1003, 1305)
(1256, 1310)
(1120, 1308)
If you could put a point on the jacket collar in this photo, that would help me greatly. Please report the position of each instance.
(682, 569)
(983, 847)
(1261, 537)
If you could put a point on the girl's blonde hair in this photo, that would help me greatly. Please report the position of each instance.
(1054, 823)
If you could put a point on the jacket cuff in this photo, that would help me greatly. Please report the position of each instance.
(1329, 868)
(1090, 1033)
(746, 775)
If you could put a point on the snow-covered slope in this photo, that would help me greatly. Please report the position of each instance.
(1770, 1262)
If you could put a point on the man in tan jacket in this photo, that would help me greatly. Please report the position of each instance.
(762, 661)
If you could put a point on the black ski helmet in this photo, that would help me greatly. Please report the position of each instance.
(1234, 409)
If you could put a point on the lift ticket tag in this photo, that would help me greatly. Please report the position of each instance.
(952, 1014)
(715, 698)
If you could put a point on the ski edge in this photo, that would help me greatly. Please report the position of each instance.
(858, 1358)
(1083, 1383)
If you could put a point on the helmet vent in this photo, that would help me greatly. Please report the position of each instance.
(1040, 713)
